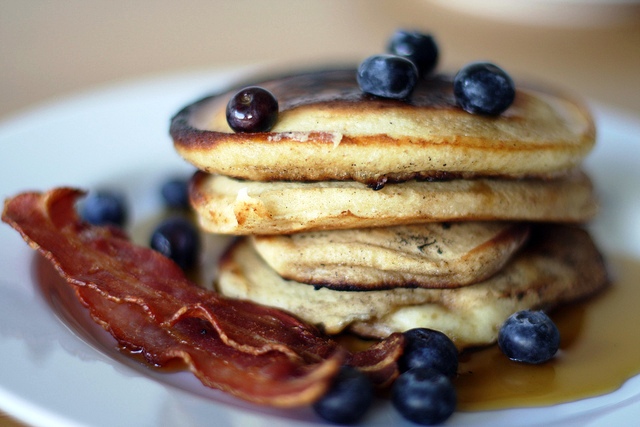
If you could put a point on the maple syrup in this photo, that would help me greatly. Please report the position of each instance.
(599, 351)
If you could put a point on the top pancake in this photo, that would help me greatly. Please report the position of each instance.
(328, 129)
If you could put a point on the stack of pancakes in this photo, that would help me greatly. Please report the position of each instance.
(372, 215)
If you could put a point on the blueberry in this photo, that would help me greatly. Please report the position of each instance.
(388, 76)
(175, 193)
(483, 88)
(529, 336)
(348, 398)
(177, 239)
(424, 396)
(104, 207)
(419, 48)
(252, 109)
(427, 348)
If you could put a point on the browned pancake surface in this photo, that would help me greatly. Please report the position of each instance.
(232, 206)
(329, 130)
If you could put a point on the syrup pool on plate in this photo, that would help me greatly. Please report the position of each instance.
(599, 351)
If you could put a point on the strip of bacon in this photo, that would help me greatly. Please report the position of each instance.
(259, 354)
(379, 361)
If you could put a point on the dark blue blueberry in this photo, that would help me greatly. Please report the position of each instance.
(177, 239)
(419, 48)
(483, 88)
(104, 207)
(424, 396)
(175, 193)
(252, 109)
(348, 398)
(426, 348)
(389, 76)
(529, 336)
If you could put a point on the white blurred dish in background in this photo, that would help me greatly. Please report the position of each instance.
(567, 13)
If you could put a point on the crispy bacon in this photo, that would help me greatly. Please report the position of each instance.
(257, 353)
(379, 361)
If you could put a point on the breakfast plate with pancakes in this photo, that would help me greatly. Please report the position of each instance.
(62, 369)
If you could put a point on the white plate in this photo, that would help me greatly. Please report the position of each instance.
(55, 372)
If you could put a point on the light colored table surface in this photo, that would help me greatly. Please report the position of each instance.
(50, 50)
(53, 49)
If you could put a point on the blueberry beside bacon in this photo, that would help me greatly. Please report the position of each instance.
(259, 354)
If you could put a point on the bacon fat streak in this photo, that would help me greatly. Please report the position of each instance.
(257, 353)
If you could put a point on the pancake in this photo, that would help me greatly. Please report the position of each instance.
(328, 129)
(433, 255)
(231, 206)
(560, 264)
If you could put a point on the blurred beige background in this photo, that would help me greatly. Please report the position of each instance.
(55, 49)
(50, 49)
